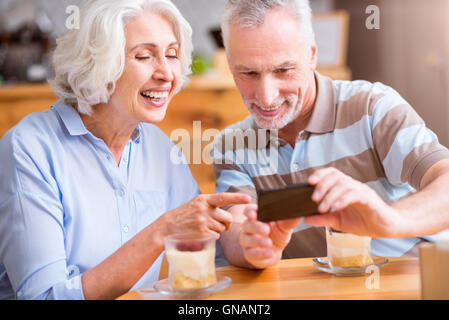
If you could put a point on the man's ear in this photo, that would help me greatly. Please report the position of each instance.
(313, 55)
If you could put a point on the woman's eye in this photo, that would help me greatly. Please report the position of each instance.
(142, 57)
(172, 53)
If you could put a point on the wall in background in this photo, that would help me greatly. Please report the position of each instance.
(206, 14)
(409, 53)
(201, 14)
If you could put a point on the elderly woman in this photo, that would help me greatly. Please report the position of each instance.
(87, 188)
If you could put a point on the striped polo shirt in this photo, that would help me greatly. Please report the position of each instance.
(365, 130)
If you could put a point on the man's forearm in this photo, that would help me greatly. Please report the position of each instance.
(425, 212)
(230, 239)
(231, 246)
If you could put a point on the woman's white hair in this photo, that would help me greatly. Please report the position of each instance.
(251, 13)
(88, 61)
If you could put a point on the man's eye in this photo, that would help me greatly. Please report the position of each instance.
(249, 73)
(283, 70)
(143, 57)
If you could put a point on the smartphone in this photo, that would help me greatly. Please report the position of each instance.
(286, 202)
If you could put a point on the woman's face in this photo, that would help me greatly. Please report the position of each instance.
(152, 70)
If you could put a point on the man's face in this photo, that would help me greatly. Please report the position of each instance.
(271, 65)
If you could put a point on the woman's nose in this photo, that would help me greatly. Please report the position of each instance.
(163, 71)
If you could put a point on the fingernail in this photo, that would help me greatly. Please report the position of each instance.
(316, 195)
(322, 206)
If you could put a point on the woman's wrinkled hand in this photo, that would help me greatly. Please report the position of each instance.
(203, 214)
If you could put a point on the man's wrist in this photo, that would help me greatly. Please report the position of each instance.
(398, 225)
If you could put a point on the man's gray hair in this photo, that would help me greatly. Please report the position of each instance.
(88, 61)
(251, 13)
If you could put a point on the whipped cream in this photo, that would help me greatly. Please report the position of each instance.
(193, 264)
(347, 245)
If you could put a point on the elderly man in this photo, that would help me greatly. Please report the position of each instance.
(360, 143)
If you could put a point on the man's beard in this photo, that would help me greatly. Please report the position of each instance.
(290, 112)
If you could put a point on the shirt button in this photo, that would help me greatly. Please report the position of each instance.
(125, 229)
(295, 166)
(303, 134)
(108, 157)
(121, 192)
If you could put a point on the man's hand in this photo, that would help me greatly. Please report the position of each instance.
(263, 243)
(348, 205)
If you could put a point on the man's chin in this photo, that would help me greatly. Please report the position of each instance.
(276, 122)
(273, 124)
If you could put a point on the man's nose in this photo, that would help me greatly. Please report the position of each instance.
(266, 92)
(163, 71)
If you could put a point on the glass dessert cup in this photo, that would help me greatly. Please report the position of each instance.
(191, 259)
(346, 250)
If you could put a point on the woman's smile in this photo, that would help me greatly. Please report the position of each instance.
(156, 97)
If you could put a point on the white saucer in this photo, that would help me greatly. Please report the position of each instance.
(164, 287)
(322, 264)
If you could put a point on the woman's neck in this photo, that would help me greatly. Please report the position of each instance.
(111, 128)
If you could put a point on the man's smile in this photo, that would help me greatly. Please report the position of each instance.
(271, 111)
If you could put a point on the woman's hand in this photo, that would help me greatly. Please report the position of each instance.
(202, 214)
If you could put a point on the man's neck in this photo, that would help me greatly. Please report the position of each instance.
(290, 132)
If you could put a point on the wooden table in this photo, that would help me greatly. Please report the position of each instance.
(298, 279)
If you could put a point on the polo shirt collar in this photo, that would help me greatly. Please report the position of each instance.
(322, 119)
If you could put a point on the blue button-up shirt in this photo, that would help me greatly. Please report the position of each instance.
(65, 205)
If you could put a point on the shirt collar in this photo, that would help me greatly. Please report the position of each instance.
(136, 133)
(75, 126)
(323, 114)
(71, 118)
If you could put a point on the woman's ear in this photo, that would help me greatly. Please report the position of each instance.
(313, 55)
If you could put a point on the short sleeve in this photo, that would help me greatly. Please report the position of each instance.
(403, 143)
(31, 225)
(229, 175)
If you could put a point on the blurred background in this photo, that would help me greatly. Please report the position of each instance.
(407, 50)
